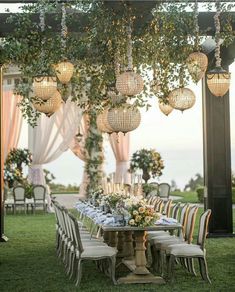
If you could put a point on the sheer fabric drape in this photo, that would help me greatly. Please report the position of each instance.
(120, 144)
(78, 148)
(51, 137)
(12, 121)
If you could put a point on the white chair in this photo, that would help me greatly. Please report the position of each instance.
(39, 197)
(19, 198)
(191, 251)
(164, 190)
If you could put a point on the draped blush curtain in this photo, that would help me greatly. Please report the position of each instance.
(51, 137)
(78, 148)
(120, 144)
(12, 121)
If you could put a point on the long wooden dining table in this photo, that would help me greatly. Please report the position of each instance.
(134, 255)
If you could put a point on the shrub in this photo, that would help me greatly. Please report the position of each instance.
(147, 188)
(200, 194)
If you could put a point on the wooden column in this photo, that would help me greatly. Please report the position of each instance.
(217, 162)
(3, 238)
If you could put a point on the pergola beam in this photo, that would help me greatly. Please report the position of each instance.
(80, 21)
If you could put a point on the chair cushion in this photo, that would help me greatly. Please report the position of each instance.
(165, 243)
(162, 238)
(151, 234)
(181, 250)
(98, 252)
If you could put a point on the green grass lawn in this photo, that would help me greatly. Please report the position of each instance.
(187, 197)
(28, 263)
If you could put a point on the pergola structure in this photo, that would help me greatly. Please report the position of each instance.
(216, 115)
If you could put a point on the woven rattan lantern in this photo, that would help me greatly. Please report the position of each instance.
(197, 65)
(182, 99)
(64, 71)
(44, 87)
(124, 119)
(218, 81)
(102, 122)
(166, 109)
(50, 106)
(129, 83)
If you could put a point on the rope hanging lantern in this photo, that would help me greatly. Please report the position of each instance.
(197, 62)
(44, 86)
(124, 119)
(166, 109)
(64, 70)
(129, 83)
(182, 98)
(218, 79)
(50, 106)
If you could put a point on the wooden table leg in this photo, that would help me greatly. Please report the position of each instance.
(120, 243)
(128, 250)
(140, 272)
(113, 238)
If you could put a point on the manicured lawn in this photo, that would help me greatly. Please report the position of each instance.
(28, 263)
(187, 197)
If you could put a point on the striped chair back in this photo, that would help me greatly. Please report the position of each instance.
(203, 228)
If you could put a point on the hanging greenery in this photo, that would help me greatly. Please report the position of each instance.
(164, 42)
(94, 155)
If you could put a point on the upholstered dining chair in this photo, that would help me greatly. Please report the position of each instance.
(19, 197)
(39, 197)
(164, 190)
(191, 251)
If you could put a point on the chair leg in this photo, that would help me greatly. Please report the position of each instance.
(190, 264)
(170, 259)
(79, 272)
(203, 269)
(112, 269)
(72, 266)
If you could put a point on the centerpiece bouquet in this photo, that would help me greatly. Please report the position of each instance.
(97, 196)
(140, 213)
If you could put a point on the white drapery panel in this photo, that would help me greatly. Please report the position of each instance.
(51, 137)
(120, 144)
(78, 148)
(12, 121)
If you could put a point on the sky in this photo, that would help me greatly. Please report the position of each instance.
(177, 137)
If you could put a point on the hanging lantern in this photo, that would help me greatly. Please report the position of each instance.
(44, 87)
(64, 71)
(165, 108)
(218, 79)
(129, 83)
(124, 119)
(197, 63)
(182, 98)
(102, 122)
(50, 106)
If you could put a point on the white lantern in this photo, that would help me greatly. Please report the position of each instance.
(182, 98)
(124, 119)
(44, 87)
(129, 83)
(197, 65)
(218, 81)
(102, 122)
(50, 106)
(166, 109)
(64, 71)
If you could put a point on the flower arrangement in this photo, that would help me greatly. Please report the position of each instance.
(113, 199)
(97, 196)
(149, 161)
(141, 214)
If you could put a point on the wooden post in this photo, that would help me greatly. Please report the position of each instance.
(217, 162)
(3, 238)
